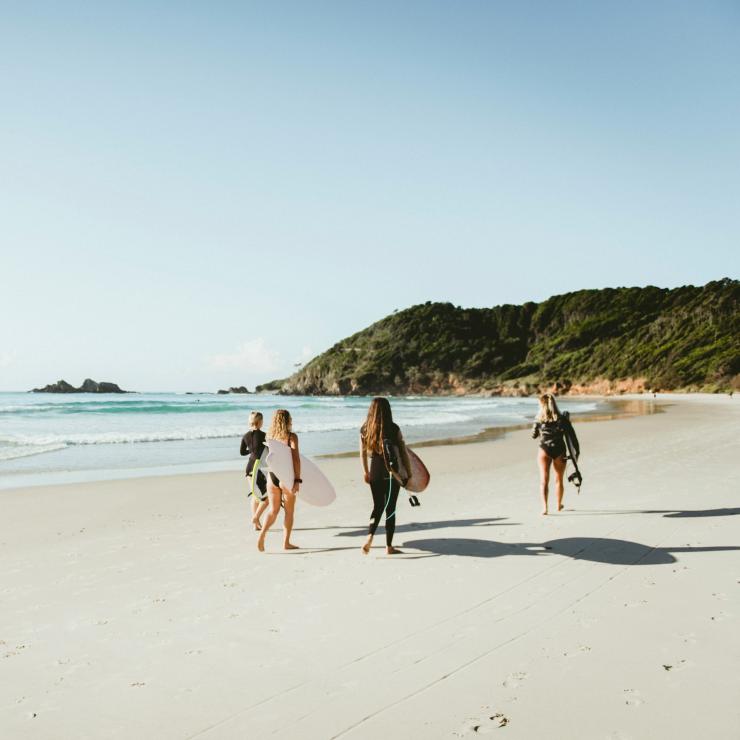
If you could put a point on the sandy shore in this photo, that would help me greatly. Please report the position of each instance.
(142, 609)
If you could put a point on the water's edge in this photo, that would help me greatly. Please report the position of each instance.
(620, 409)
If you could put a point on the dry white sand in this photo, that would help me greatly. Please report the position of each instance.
(142, 609)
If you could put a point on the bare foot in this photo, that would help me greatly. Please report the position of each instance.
(257, 525)
(261, 543)
(288, 546)
(366, 546)
(393, 551)
(544, 513)
(560, 507)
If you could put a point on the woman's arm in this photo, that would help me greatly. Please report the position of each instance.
(293, 443)
(535, 430)
(363, 459)
(243, 449)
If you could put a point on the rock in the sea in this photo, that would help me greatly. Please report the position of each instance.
(89, 386)
(233, 389)
(61, 386)
(92, 386)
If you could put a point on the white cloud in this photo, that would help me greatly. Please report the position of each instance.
(7, 358)
(252, 356)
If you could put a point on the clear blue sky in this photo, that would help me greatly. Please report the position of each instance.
(200, 194)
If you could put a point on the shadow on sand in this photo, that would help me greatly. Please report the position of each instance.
(669, 513)
(418, 526)
(593, 549)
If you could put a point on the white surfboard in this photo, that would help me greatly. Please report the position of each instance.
(316, 488)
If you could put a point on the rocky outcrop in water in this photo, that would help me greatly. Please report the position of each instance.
(233, 389)
(88, 386)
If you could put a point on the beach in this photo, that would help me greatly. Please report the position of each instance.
(142, 608)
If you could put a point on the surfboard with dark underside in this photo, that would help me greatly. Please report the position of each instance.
(420, 477)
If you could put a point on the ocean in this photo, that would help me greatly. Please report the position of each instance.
(47, 438)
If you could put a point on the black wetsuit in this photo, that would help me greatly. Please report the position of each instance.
(385, 490)
(552, 436)
(253, 444)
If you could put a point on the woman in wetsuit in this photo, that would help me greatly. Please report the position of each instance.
(380, 437)
(281, 429)
(550, 427)
(253, 444)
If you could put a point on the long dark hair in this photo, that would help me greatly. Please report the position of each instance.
(378, 425)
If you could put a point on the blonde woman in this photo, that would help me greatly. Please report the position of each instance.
(550, 427)
(253, 444)
(281, 429)
(382, 440)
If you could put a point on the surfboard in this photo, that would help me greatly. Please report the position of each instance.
(259, 463)
(419, 479)
(574, 450)
(316, 488)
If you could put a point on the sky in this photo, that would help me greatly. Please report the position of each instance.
(198, 195)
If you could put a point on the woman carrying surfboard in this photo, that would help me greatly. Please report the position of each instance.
(281, 430)
(383, 441)
(556, 434)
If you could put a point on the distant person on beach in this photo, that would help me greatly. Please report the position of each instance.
(281, 429)
(550, 427)
(389, 468)
(253, 444)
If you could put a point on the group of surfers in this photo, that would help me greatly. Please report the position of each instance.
(378, 434)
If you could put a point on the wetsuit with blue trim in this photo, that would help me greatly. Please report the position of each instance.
(385, 490)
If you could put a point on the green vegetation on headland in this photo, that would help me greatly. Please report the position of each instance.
(599, 341)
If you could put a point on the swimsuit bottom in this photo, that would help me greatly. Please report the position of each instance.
(554, 450)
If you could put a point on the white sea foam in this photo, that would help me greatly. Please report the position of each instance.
(14, 452)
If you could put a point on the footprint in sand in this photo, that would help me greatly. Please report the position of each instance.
(632, 698)
(580, 650)
(484, 725)
(680, 666)
(513, 680)
(720, 617)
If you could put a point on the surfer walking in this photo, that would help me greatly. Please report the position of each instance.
(253, 444)
(381, 439)
(551, 427)
(281, 429)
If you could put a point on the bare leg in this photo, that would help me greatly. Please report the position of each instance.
(367, 545)
(258, 509)
(289, 501)
(274, 496)
(559, 465)
(544, 460)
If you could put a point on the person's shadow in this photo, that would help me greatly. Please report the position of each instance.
(678, 514)
(668, 513)
(445, 524)
(593, 549)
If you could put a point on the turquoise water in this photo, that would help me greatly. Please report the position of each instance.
(48, 438)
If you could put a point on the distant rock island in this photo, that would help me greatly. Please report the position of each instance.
(605, 341)
(89, 386)
(233, 389)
